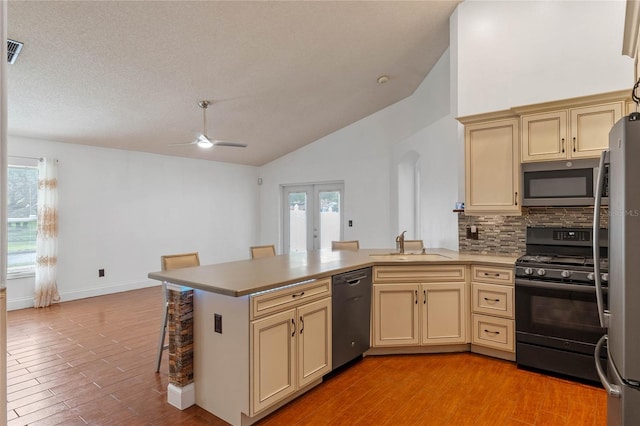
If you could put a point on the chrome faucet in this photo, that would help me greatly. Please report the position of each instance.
(400, 242)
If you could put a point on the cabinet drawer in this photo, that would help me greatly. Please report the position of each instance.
(492, 299)
(492, 274)
(289, 296)
(419, 274)
(493, 332)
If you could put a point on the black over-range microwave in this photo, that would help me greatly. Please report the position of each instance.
(562, 183)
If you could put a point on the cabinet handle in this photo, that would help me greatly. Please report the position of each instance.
(425, 296)
(574, 144)
(562, 144)
(491, 300)
(297, 295)
(416, 297)
(293, 322)
(515, 198)
(492, 332)
(301, 324)
(486, 274)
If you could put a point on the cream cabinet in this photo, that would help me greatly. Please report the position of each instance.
(411, 313)
(492, 167)
(492, 305)
(292, 348)
(581, 132)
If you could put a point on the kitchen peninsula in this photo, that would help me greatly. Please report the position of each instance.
(248, 314)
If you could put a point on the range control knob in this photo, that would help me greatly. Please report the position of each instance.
(591, 276)
(541, 272)
(565, 274)
(605, 277)
(528, 271)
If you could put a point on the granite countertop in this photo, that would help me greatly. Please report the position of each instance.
(244, 277)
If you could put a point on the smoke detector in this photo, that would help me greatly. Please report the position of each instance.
(13, 50)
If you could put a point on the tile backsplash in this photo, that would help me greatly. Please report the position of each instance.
(506, 234)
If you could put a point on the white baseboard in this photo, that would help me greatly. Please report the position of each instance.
(181, 397)
(27, 302)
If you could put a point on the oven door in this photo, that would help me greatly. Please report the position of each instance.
(557, 315)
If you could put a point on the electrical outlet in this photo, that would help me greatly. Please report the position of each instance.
(350, 223)
(472, 232)
(100, 273)
(217, 323)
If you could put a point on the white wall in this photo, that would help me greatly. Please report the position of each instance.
(512, 53)
(439, 150)
(122, 210)
(365, 155)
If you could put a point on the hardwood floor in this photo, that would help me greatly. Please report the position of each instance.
(92, 361)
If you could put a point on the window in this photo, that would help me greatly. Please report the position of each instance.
(22, 192)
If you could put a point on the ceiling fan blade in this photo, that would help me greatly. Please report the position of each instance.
(183, 144)
(230, 144)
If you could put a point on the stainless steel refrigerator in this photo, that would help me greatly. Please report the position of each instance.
(622, 318)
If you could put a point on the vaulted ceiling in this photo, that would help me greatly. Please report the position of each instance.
(279, 75)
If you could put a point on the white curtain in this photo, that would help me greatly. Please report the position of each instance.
(46, 291)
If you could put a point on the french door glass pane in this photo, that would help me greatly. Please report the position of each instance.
(297, 221)
(329, 217)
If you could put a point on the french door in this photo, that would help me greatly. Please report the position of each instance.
(312, 216)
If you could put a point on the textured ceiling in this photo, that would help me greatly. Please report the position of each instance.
(280, 75)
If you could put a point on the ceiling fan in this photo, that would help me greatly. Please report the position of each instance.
(204, 141)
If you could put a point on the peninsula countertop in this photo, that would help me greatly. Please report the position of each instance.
(243, 277)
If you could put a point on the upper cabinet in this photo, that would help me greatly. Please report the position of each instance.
(569, 129)
(497, 142)
(566, 134)
(492, 167)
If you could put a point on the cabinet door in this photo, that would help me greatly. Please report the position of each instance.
(544, 136)
(314, 341)
(444, 314)
(590, 128)
(273, 372)
(492, 168)
(395, 315)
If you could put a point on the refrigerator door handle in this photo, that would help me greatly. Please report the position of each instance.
(602, 315)
(613, 390)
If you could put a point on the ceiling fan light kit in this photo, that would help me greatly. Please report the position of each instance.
(204, 142)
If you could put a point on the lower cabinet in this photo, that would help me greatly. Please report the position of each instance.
(290, 349)
(493, 309)
(406, 314)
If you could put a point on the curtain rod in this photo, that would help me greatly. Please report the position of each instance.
(25, 158)
(28, 158)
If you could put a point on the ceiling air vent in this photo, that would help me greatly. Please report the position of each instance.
(13, 50)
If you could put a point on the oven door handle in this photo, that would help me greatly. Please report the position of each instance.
(603, 316)
(556, 286)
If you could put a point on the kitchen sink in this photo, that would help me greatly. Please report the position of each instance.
(409, 256)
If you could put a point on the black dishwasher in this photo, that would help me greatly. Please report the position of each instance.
(351, 306)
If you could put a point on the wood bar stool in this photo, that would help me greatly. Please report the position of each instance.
(413, 245)
(168, 262)
(345, 245)
(263, 251)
